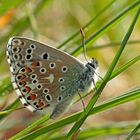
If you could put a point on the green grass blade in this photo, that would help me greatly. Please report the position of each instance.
(93, 100)
(9, 109)
(88, 24)
(101, 131)
(134, 131)
(100, 32)
(112, 44)
(6, 88)
(23, 23)
(5, 85)
(31, 127)
(114, 102)
(5, 6)
(125, 66)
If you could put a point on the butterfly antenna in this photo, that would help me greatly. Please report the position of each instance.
(81, 100)
(83, 43)
(84, 50)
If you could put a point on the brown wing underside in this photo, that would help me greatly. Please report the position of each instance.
(35, 86)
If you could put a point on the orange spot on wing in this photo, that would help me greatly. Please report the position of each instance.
(28, 70)
(40, 103)
(22, 77)
(28, 89)
(23, 83)
(33, 97)
(35, 64)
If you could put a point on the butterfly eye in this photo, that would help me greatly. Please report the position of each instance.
(64, 69)
(48, 98)
(52, 65)
(59, 98)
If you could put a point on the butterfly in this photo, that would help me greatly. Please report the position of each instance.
(46, 78)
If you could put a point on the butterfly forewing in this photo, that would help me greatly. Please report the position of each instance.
(41, 74)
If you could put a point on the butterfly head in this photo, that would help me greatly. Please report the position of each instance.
(88, 77)
(93, 65)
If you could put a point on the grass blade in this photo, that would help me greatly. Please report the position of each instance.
(114, 102)
(112, 44)
(9, 109)
(101, 131)
(125, 66)
(23, 23)
(134, 131)
(89, 23)
(93, 100)
(5, 6)
(91, 39)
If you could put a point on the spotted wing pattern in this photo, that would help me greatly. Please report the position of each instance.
(42, 75)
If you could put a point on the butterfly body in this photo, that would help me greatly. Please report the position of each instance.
(47, 78)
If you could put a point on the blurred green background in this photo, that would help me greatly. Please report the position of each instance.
(58, 23)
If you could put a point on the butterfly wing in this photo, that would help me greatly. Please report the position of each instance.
(42, 76)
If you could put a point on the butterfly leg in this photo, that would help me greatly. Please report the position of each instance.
(94, 84)
(81, 100)
(60, 108)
